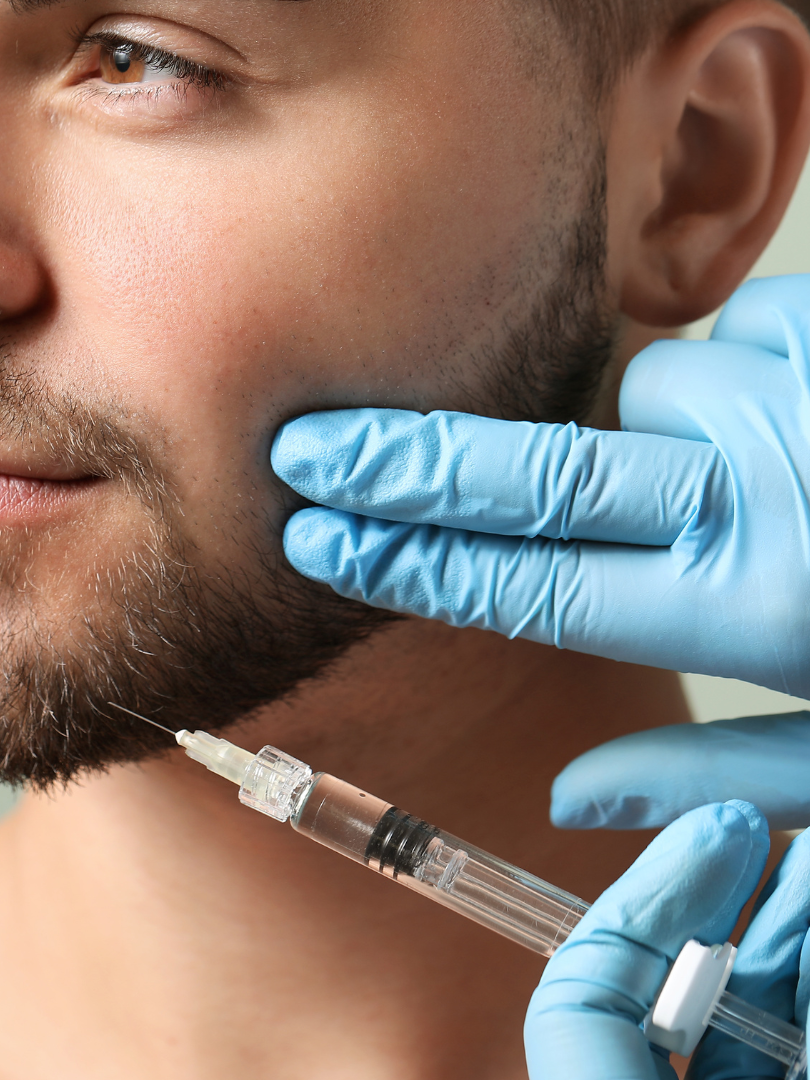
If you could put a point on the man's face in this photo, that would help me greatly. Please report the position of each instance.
(214, 217)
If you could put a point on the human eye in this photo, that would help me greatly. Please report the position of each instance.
(121, 70)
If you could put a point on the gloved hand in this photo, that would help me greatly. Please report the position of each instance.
(691, 882)
(682, 542)
(649, 778)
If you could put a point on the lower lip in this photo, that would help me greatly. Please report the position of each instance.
(25, 499)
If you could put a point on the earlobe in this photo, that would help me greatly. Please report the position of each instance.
(707, 139)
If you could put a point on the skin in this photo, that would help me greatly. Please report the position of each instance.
(353, 222)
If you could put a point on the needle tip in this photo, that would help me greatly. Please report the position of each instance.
(138, 716)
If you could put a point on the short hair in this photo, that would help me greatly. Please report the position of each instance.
(608, 35)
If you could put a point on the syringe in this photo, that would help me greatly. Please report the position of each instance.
(429, 861)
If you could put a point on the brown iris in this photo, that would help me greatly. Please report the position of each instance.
(120, 65)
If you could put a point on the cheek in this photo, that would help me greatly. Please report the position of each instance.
(333, 249)
(364, 267)
(158, 301)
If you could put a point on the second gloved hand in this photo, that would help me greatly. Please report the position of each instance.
(691, 882)
(682, 542)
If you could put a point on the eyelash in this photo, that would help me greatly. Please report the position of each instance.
(186, 71)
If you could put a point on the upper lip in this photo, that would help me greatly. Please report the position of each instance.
(17, 466)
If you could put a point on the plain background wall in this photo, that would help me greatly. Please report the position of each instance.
(714, 699)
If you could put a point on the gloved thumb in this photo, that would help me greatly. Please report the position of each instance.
(691, 882)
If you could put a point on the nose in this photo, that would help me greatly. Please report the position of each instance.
(22, 281)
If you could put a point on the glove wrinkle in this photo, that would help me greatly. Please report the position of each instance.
(680, 542)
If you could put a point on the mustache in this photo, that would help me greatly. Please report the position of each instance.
(98, 441)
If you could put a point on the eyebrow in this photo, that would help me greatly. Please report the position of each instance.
(27, 7)
(24, 7)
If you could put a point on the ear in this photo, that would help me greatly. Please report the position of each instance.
(706, 138)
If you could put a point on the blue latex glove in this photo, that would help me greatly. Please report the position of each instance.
(772, 968)
(683, 542)
(692, 881)
(647, 779)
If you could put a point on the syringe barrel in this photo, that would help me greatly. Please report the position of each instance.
(462, 877)
(440, 866)
(338, 815)
(764, 1032)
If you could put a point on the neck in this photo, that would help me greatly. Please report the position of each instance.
(194, 936)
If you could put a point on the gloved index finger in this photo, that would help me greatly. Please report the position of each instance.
(497, 476)
(648, 778)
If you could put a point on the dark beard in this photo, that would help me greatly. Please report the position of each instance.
(163, 637)
(175, 650)
(551, 368)
(179, 645)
